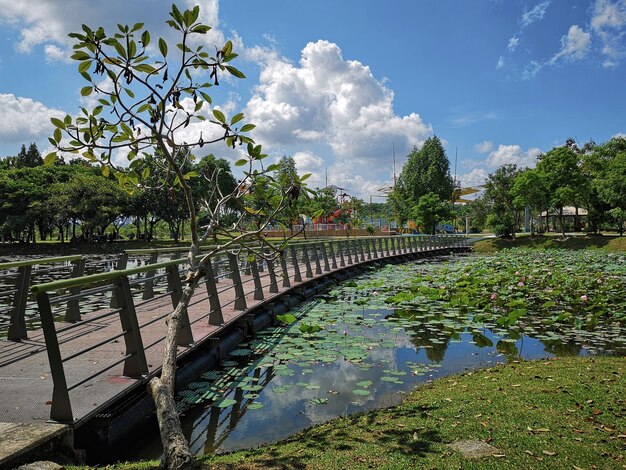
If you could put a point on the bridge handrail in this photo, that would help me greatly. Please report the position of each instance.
(34, 262)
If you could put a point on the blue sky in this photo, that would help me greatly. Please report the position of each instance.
(338, 84)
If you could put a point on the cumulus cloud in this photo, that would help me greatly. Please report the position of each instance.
(484, 147)
(48, 23)
(513, 154)
(337, 103)
(24, 119)
(309, 162)
(476, 177)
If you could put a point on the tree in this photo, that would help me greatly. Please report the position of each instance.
(430, 210)
(529, 191)
(146, 103)
(612, 188)
(562, 176)
(29, 158)
(287, 176)
(505, 214)
(427, 170)
(598, 168)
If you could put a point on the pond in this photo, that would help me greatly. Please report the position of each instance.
(371, 340)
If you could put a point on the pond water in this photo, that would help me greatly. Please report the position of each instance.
(367, 354)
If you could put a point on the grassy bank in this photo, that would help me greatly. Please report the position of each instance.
(565, 413)
(578, 242)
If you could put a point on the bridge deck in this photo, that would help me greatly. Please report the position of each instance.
(25, 379)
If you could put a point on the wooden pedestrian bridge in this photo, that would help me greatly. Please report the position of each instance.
(95, 340)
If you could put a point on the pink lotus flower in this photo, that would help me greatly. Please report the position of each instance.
(520, 284)
(584, 298)
(494, 296)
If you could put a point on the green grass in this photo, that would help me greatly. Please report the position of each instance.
(565, 413)
(579, 242)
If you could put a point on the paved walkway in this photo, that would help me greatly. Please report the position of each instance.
(25, 381)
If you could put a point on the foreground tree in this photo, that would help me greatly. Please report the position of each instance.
(145, 104)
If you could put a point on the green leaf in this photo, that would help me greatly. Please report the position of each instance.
(163, 47)
(57, 135)
(219, 116)
(145, 38)
(236, 118)
(247, 128)
(129, 92)
(86, 91)
(84, 66)
(57, 123)
(228, 48)
(120, 49)
(146, 68)
(137, 27)
(80, 55)
(105, 171)
(241, 162)
(305, 177)
(50, 158)
(233, 71)
(286, 319)
(201, 29)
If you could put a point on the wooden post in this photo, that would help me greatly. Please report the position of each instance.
(307, 263)
(258, 288)
(61, 407)
(72, 313)
(240, 297)
(297, 277)
(135, 365)
(185, 337)
(17, 327)
(148, 285)
(121, 264)
(215, 309)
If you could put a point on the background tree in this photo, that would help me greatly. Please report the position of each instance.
(429, 211)
(143, 108)
(427, 170)
(506, 213)
(529, 192)
(562, 176)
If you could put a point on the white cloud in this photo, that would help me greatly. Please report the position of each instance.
(56, 54)
(48, 22)
(484, 147)
(24, 119)
(535, 14)
(332, 102)
(608, 22)
(308, 162)
(513, 154)
(513, 43)
(476, 177)
(500, 63)
(574, 45)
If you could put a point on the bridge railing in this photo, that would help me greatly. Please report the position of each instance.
(116, 340)
(16, 278)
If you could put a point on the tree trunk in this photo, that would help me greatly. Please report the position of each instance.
(176, 452)
(561, 222)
